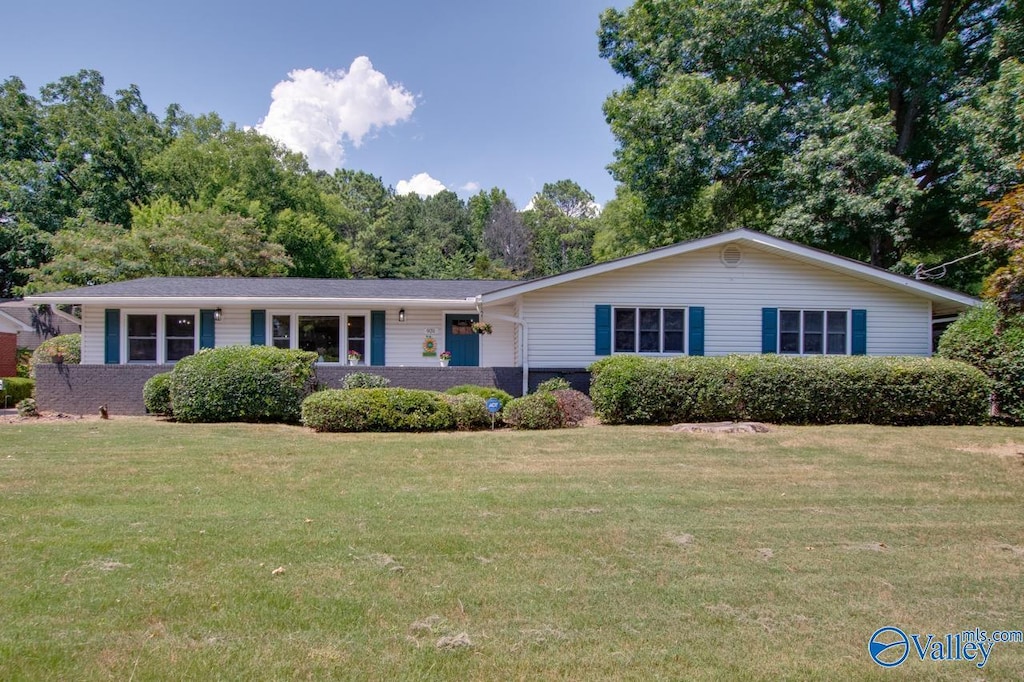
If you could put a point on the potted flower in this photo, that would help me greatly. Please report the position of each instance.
(445, 357)
(354, 357)
(482, 327)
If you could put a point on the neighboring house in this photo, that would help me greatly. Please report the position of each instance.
(10, 327)
(36, 326)
(735, 292)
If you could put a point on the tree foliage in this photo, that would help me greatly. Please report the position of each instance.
(845, 124)
(1003, 237)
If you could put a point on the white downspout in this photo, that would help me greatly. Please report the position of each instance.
(524, 340)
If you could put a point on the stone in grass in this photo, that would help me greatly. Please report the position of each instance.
(721, 427)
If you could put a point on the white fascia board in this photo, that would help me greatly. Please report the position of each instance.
(16, 322)
(274, 302)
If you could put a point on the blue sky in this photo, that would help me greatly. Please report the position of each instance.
(471, 94)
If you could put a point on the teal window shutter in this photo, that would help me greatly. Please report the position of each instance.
(859, 340)
(207, 325)
(258, 328)
(112, 336)
(602, 330)
(696, 341)
(378, 322)
(769, 330)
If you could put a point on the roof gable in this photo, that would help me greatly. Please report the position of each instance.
(768, 243)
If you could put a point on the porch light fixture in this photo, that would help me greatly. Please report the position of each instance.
(217, 314)
(401, 315)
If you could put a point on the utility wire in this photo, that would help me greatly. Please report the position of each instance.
(939, 271)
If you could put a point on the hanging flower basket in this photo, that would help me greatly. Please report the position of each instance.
(482, 327)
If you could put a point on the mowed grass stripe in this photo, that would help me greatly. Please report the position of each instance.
(148, 550)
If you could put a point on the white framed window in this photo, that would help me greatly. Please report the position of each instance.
(179, 337)
(159, 338)
(814, 332)
(649, 330)
(142, 338)
(330, 336)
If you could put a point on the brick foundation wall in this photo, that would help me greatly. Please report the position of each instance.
(8, 354)
(81, 389)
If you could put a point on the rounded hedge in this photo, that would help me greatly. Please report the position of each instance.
(973, 339)
(64, 349)
(156, 394)
(789, 390)
(377, 409)
(15, 390)
(534, 411)
(484, 392)
(469, 411)
(365, 380)
(242, 383)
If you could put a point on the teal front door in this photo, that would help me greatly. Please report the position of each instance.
(461, 341)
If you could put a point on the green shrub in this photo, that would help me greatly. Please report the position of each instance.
(789, 390)
(469, 411)
(241, 383)
(156, 394)
(377, 409)
(15, 390)
(24, 367)
(27, 408)
(65, 349)
(973, 339)
(484, 392)
(552, 385)
(534, 411)
(365, 380)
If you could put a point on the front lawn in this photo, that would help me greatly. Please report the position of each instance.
(139, 549)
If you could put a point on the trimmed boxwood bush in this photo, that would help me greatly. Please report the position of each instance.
(789, 390)
(15, 390)
(377, 409)
(365, 380)
(534, 411)
(484, 392)
(156, 394)
(67, 348)
(469, 411)
(973, 339)
(553, 384)
(241, 383)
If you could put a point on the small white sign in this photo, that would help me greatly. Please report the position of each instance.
(430, 331)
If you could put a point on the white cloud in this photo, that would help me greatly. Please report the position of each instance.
(316, 112)
(422, 184)
(471, 187)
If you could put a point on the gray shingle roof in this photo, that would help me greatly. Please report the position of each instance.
(286, 287)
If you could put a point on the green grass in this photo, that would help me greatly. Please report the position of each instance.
(138, 549)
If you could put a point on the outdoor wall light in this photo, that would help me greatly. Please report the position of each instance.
(217, 314)
(401, 315)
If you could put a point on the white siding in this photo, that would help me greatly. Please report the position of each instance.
(561, 318)
(92, 335)
(403, 341)
(404, 344)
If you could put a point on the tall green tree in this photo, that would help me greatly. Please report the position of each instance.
(561, 222)
(752, 96)
(166, 241)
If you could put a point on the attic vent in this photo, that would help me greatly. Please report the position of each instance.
(731, 255)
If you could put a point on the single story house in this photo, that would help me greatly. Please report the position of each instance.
(735, 292)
